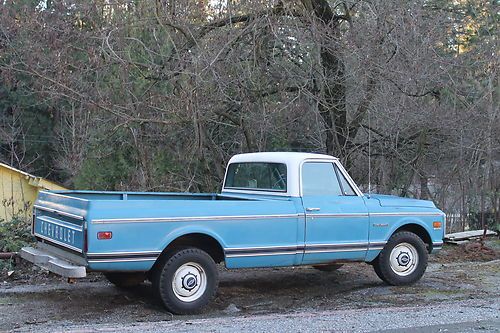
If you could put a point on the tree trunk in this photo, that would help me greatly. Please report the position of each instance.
(332, 106)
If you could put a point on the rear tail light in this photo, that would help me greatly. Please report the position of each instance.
(104, 235)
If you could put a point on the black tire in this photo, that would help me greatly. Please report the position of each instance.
(189, 261)
(327, 268)
(411, 259)
(376, 268)
(125, 280)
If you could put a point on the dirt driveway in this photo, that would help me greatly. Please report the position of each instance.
(33, 300)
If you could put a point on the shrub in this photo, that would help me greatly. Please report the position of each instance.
(15, 234)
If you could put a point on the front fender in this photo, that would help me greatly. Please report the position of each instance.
(382, 227)
(408, 221)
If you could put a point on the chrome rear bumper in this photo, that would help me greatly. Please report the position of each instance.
(49, 261)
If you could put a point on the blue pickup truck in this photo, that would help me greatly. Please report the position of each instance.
(275, 209)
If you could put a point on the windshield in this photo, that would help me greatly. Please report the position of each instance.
(256, 176)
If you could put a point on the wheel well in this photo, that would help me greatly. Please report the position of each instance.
(420, 232)
(201, 241)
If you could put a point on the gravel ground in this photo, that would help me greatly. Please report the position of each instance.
(452, 296)
(462, 316)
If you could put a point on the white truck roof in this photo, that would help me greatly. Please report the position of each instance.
(278, 157)
(293, 162)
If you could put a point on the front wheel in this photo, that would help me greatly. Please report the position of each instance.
(403, 260)
(186, 280)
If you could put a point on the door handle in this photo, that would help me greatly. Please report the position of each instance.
(311, 209)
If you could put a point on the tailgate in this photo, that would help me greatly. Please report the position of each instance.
(59, 220)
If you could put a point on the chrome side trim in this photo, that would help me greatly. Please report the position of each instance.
(335, 250)
(48, 220)
(406, 214)
(356, 244)
(340, 215)
(94, 261)
(299, 249)
(123, 254)
(58, 242)
(273, 247)
(195, 218)
(242, 251)
(382, 243)
(262, 250)
(261, 254)
(59, 212)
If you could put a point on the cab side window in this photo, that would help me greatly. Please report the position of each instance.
(320, 178)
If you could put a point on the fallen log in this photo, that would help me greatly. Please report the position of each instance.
(467, 235)
(7, 255)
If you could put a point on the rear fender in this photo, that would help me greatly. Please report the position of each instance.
(191, 229)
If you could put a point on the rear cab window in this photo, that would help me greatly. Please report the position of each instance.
(257, 176)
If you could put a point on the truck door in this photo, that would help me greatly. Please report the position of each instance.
(336, 217)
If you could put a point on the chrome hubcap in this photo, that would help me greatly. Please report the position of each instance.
(189, 282)
(404, 259)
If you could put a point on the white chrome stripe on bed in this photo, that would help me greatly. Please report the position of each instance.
(251, 217)
(195, 218)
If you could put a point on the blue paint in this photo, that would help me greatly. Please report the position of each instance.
(254, 230)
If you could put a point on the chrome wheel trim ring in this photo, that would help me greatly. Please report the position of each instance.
(403, 259)
(189, 282)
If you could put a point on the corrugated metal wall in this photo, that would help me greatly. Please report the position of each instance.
(18, 191)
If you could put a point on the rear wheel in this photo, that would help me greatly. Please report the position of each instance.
(125, 280)
(186, 280)
(403, 260)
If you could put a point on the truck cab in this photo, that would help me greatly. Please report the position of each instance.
(275, 209)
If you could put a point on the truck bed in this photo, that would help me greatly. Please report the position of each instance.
(143, 224)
